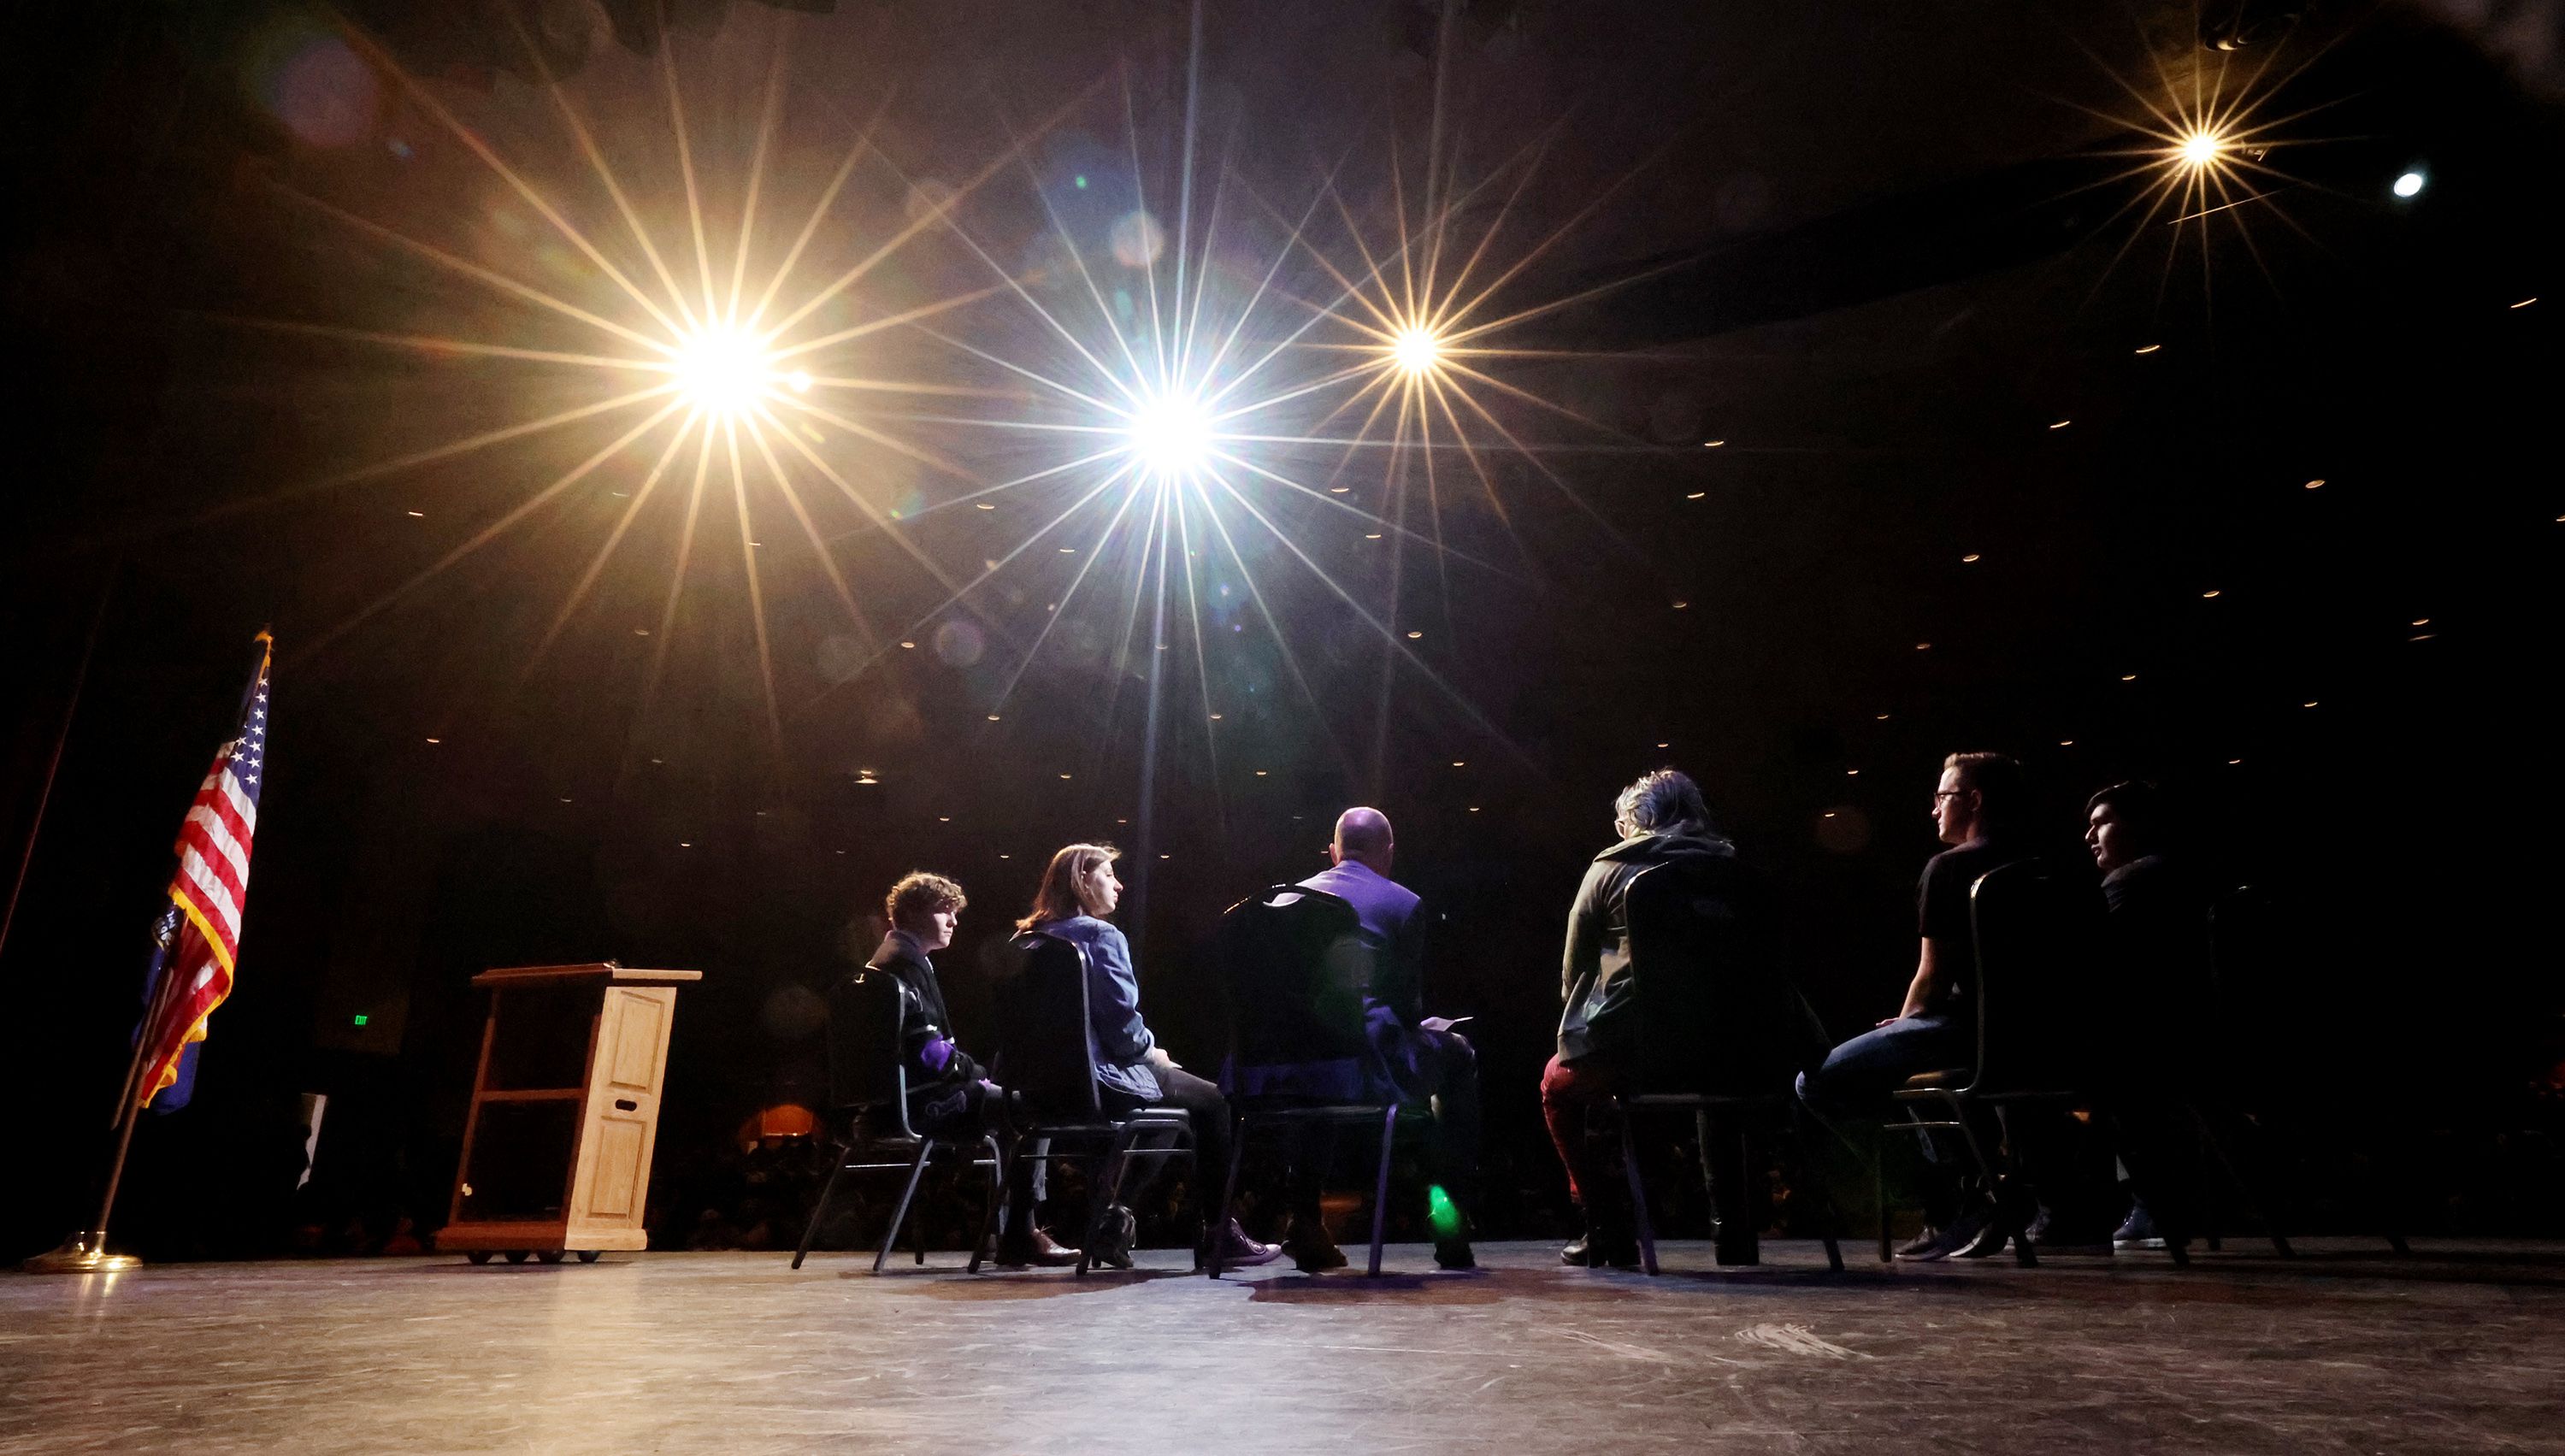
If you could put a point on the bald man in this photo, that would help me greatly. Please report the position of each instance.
(1424, 1060)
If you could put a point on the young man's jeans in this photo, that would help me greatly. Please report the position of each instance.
(1857, 1077)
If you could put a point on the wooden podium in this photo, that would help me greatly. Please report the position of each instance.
(565, 1110)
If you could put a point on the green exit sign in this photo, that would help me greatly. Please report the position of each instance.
(360, 1018)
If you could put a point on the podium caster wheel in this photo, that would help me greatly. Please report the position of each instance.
(479, 1256)
(548, 1256)
(588, 1255)
(517, 1256)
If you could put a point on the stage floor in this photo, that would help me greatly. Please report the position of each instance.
(2460, 1348)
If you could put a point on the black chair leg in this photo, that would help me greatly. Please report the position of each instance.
(2023, 1253)
(916, 1171)
(1380, 1186)
(1216, 1236)
(1638, 1190)
(811, 1230)
(997, 1200)
(1814, 1177)
(2254, 1203)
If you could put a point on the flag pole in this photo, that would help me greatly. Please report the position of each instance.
(85, 1252)
(71, 709)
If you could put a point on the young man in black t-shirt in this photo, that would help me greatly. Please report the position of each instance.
(1974, 809)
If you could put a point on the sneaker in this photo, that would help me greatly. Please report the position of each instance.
(1926, 1245)
(1113, 1239)
(1602, 1251)
(1977, 1234)
(1238, 1251)
(2138, 1231)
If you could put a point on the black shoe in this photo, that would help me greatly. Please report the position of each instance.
(1923, 1246)
(1454, 1254)
(1311, 1249)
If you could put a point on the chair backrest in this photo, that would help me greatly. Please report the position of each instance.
(1717, 1012)
(864, 1070)
(1046, 1043)
(1295, 968)
(2039, 961)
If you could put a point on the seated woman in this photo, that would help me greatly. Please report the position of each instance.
(1078, 890)
(949, 1094)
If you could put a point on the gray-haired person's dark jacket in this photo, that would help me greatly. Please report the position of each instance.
(1595, 981)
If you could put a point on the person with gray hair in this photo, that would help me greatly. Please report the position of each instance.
(1661, 819)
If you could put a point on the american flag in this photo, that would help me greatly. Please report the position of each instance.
(199, 935)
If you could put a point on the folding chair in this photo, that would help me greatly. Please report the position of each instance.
(1296, 970)
(1716, 1024)
(869, 1085)
(1046, 1058)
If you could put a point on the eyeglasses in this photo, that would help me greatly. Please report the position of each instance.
(1941, 794)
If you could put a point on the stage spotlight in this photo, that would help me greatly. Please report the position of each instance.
(2200, 149)
(722, 371)
(1416, 349)
(2409, 185)
(1171, 434)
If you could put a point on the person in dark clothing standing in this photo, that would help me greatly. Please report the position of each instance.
(1661, 819)
(1975, 809)
(2157, 938)
(949, 1094)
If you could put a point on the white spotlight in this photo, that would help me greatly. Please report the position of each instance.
(1171, 433)
(723, 370)
(1416, 351)
(2409, 184)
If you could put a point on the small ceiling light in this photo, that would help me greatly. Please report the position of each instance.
(1882, 718)
(564, 798)
(2061, 424)
(1412, 636)
(1006, 857)
(2316, 484)
(2409, 185)
(1069, 551)
(1260, 773)
(685, 843)
(984, 506)
(1340, 489)
(2128, 677)
(993, 717)
(1712, 444)
(1680, 606)
(2212, 592)
(1371, 536)
(910, 646)
(1698, 495)
(1970, 556)
(943, 819)
(2418, 622)
(1852, 773)
(2234, 761)
(1063, 775)
(641, 632)
(2149, 348)
(800, 379)
(2066, 743)
(1459, 763)
(1166, 857)
(1922, 646)
(1474, 809)
(2525, 303)
(420, 515)
(2309, 703)
(1416, 349)
(2200, 149)
(440, 740)
(1215, 717)
(1665, 745)
(1829, 814)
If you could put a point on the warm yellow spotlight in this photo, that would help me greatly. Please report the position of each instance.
(723, 370)
(1416, 349)
(2200, 149)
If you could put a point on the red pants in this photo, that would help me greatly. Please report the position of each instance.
(1565, 1093)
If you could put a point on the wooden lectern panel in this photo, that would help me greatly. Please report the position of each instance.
(564, 1109)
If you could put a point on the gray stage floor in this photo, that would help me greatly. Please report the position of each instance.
(2460, 1348)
